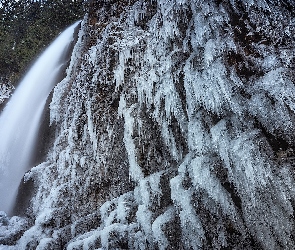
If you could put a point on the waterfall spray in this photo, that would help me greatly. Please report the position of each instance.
(20, 119)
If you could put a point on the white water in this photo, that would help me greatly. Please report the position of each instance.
(20, 120)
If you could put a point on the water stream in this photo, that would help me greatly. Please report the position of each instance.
(20, 119)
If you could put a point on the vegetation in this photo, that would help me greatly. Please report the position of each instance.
(26, 27)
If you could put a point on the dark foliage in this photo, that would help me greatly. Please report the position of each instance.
(27, 27)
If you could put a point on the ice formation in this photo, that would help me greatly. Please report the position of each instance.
(5, 91)
(174, 130)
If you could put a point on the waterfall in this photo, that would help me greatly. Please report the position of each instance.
(20, 119)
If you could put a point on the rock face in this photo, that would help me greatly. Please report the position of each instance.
(174, 129)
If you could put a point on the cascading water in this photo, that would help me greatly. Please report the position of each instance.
(20, 119)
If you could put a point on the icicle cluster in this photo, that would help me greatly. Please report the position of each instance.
(174, 130)
(5, 91)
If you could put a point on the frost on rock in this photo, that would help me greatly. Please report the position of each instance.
(10, 230)
(174, 130)
(5, 91)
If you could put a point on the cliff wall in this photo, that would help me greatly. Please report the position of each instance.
(174, 129)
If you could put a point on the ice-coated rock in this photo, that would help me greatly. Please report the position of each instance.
(174, 130)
